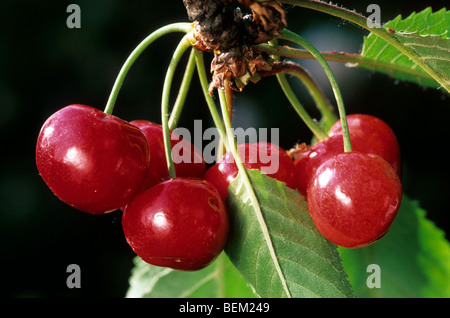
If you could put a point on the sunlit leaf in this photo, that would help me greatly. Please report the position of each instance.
(413, 258)
(310, 265)
(427, 34)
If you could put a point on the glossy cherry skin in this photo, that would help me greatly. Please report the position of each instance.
(180, 223)
(267, 157)
(354, 198)
(307, 162)
(92, 161)
(195, 167)
(368, 134)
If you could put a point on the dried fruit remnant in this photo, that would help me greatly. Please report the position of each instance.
(299, 151)
(229, 28)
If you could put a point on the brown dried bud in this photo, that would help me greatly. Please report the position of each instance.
(298, 151)
(229, 28)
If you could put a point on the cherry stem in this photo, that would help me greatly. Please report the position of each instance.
(293, 37)
(289, 93)
(312, 125)
(351, 59)
(230, 141)
(319, 97)
(220, 127)
(179, 51)
(175, 27)
(229, 138)
(184, 88)
(209, 100)
(228, 91)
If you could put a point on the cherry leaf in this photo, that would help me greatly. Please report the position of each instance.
(306, 264)
(426, 34)
(220, 279)
(413, 259)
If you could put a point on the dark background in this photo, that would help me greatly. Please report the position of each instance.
(45, 66)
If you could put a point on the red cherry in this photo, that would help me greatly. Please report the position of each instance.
(194, 167)
(307, 162)
(93, 161)
(354, 198)
(181, 223)
(368, 134)
(268, 158)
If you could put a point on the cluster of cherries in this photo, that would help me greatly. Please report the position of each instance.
(99, 163)
(353, 197)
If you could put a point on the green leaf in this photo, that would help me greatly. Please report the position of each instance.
(413, 257)
(427, 34)
(305, 262)
(220, 279)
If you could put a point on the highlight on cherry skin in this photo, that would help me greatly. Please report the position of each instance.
(353, 198)
(266, 157)
(91, 160)
(181, 223)
(368, 134)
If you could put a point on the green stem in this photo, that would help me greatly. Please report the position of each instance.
(209, 100)
(289, 93)
(179, 51)
(229, 138)
(343, 57)
(221, 267)
(175, 27)
(288, 51)
(230, 144)
(184, 88)
(319, 97)
(225, 109)
(290, 36)
(322, 102)
(380, 31)
(312, 125)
